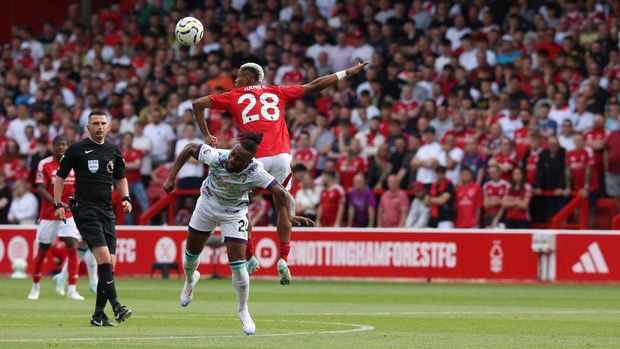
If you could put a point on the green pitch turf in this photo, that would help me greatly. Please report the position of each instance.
(316, 315)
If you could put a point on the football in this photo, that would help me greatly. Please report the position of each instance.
(189, 31)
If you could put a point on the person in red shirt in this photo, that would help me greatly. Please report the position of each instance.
(304, 154)
(493, 191)
(595, 140)
(393, 205)
(261, 108)
(612, 165)
(530, 168)
(462, 134)
(580, 172)
(49, 227)
(331, 207)
(468, 201)
(133, 162)
(258, 210)
(522, 144)
(504, 158)
(516, 202)
(351, 164)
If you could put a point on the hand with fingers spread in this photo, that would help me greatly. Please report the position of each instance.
(356, 68)
(301, 221)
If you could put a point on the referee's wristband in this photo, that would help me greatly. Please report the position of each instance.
(126, 198)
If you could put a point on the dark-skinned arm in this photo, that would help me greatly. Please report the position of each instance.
(319, 84)
(184, 156)
(199, 105)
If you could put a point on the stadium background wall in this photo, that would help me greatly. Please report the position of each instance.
(398, 254)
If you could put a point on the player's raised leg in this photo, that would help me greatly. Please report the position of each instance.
(196, 240)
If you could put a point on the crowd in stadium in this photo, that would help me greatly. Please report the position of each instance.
(467, 111)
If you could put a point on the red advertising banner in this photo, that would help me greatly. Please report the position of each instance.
(324, 253)
(588, 257)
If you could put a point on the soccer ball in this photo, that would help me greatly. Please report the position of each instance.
(189, 31)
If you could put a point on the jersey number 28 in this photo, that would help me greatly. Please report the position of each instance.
(269, 107)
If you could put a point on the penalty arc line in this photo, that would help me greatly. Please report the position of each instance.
(358, 328)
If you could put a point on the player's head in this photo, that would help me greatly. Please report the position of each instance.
(98, 125)
(59, 145)
(249, 74)
(242, 153)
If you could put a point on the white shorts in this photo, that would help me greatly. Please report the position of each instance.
(279, 166)
(48, 230)
(206, 217)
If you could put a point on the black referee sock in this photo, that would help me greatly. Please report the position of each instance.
(105, 288)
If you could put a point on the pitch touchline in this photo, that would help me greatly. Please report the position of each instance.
(357, 328)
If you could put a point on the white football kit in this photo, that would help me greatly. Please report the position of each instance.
(49, 229)
(223, 197)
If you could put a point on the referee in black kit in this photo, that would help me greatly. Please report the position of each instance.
(97, 165)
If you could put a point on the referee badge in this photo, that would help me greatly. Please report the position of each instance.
(110, 166)
(93, 166)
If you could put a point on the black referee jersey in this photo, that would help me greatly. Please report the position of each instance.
(96, 167)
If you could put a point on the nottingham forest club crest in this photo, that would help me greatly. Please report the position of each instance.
(93, 166)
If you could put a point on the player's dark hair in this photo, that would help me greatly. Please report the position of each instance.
(59, 138)
(96, 113)
(250, 141)
(253, 72)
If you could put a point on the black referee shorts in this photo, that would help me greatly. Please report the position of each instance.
(96, 225)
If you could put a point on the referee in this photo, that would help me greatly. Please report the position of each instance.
(97, 165)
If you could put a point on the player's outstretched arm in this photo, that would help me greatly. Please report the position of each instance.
(183, 157)
(326, 81)
(282, 202)
(199, 106)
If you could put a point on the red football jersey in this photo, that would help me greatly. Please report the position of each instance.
(46, 171)
(597, 135)
(468, 202)
(263, 206)
(522, 145)
(495, 190)
(402, 106)
(578, 161)
(330, 200)
(131, 155)
(261, 108)
(348, 168)
(462, 138)
(531, 167)
(306, 155)
(519, 213)
(502, 159)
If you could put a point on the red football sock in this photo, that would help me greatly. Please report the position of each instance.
(73, 264)
(38, 265)
(249, 249)
(285, 248)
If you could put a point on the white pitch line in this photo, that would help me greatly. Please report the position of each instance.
(357, 328)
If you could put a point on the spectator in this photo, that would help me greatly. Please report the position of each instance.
(307, 198)
(331, 209)
(443, 122)
(304, 154)
(129, 118)
(10, 161)
(505, 159)
(161, 136)
(133, 163)
(393, 205)
(24, 207)
(546, 126)
(530, 168)
(473, 160)
(426, 159)
(321, 140)
(584, 120)
(17, 128)
(144, 145)
(581, 173)
(612, 165)
(468, 201)
(511, 122)
(595, 140)
(516, 202)
(259, 210)
(419, 214)
(493, 192)
(560, 111)
(441, 201)
(370, 139)
(362, 204)
(190, 176)
(551, 166)
(450, 157)
(567, 136)
(341, 53)
(5, 199)
(350, 164)
(380, 169)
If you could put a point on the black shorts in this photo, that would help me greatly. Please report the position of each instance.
(96, 225)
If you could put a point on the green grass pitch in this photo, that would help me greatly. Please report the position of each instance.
(320, 314)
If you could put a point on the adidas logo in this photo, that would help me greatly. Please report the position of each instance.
(591, 262)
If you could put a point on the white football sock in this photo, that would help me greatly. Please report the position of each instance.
(241, 283)
(91, 265)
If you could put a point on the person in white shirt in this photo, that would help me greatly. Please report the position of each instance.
(511, 123)
(419, 213)
(370, 139)
(129, 118)
(454, 34)
(362, 52)
(560, 110)
(321, 45)
(584, 120)
(425, 160)
(566, 136)
(450, 157)
(190, 175)
(442, 122)
(24, 208)
(468, 59)
(17, 128)
(161, 136)
(308, 197)
(386, 11)
(143, 144)
(340, 54)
